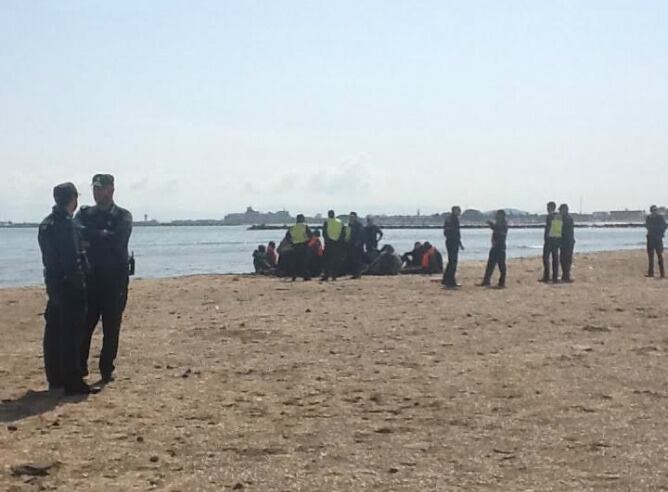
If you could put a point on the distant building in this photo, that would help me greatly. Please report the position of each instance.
(627, 215)
(252, 217)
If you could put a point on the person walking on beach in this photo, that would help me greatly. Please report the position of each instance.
(332, 231)
(552, 243)
(355, 239)
(497, 253)
(656, 228)
(106, 230)
(372, 236)
(567, 243)
(64, 276)
(453, 243)
(298, 235)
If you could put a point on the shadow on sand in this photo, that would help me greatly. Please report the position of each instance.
(33, 403)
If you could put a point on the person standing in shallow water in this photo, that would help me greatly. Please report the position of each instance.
(567, 243)
(453, 243)
(497, 253)
(656, 228)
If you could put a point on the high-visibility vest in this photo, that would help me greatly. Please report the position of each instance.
(556, 227)
(334, 229)
(298, 233)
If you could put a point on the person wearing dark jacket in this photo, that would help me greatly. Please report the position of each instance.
(497, 253)
(64, 276)
(567, 243)
(656, 229)
(453, 243)
(413, 258)
(372, 236)
(298, 236)
(106, 230)
(334, 252)
(355, 240)
(552, 243)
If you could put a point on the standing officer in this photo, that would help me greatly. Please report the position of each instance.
(332, 231)
(64, 277)
(656, 228)
(497, 253)
(106, 229)
(567, 243)
(453, 243)
(355, 238)
(372, 235)
(298, 235)
(552, 238)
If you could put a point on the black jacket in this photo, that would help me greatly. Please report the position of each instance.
(62, 256)
(451, 230)
(107, 233)
(656, 226)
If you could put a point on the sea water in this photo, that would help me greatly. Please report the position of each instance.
(168, 251)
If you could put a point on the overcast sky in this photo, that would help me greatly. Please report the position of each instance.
(200, 108)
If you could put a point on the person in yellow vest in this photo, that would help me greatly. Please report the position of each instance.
(298, 235)
(552, 244)
(333, 232)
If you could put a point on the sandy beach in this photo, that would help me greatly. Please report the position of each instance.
(259, 384)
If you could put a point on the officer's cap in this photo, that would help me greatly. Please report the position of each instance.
(64, 193)
(103, 180)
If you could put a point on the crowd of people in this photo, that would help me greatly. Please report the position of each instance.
(352, 249)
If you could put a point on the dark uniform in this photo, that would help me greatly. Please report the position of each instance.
(551, 246)
(567, 247)
(334, 233)
(298, 235)
(372, 234)
(497, 253)
(355, 237)
(107, 233)
(64, 276)
(656, 228)
(453, 242)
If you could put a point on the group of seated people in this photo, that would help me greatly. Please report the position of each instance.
(277, 261)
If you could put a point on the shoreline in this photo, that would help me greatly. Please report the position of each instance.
(253, 275)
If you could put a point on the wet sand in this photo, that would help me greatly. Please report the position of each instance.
(240, 383)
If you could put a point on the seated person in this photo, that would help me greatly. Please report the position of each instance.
(413, 258)
(260, 261)
(272, 255)
(432, 260)
(315, 256)
(386, 263)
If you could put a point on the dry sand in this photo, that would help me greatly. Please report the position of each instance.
(243, 383)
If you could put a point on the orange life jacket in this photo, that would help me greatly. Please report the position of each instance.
(427, 256)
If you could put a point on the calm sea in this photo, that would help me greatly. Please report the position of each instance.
(172, 251)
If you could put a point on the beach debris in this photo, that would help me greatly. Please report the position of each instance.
(32, 469)
(187, 373)
(393, 470)
(12, 428)
(238, 486)
(596, 328)
(154, 459)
